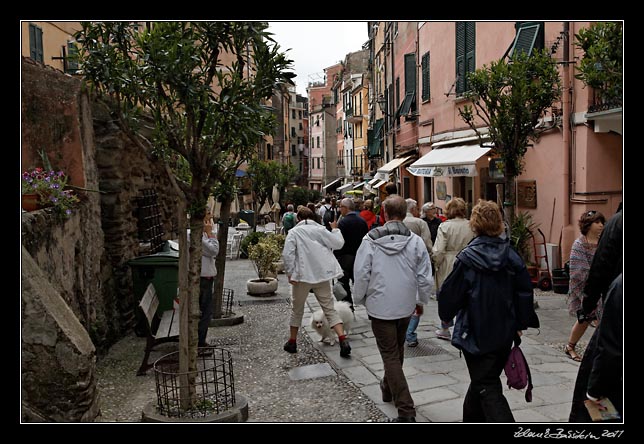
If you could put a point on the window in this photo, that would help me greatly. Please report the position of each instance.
(293, 114)
(300, 126)
(35, 43)
(72, 61)
(529, 37)
(299, 113)
(318, 144)
(293, 150)
(409, 102)
(293, 133)
(318, 161)
(425, 94)
(465, 51)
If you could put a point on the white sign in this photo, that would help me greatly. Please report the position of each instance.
(447, 171)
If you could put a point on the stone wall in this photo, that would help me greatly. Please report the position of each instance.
(125, 170)
(58, 358)
(81, 261)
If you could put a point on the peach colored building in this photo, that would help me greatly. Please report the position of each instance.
(575, 167)
(50, 43)
(322, 119)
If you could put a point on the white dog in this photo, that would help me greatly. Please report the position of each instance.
(321, 325)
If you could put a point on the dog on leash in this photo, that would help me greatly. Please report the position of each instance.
(320, 323)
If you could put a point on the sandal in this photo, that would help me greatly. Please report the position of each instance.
(569, 349)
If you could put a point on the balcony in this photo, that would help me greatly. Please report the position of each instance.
(606, 113)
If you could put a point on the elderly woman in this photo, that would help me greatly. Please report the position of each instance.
(453, 235)
(490, 292)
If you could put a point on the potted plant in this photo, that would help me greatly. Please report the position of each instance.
(46, 188)
(521, 234)
(264, 254)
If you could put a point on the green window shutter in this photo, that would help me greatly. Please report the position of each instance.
(35, 43)
(470, 50)
(529, 37)
(460, 57)
(425, 77)
(72, 58)
(374, 137)
(410, 81)
(410, 72)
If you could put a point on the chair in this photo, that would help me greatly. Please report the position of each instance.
(233, 244)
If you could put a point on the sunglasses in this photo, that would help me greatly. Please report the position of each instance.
(591, 213)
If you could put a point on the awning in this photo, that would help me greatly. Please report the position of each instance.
(331, 184)
(372, 181)
(392, 165)
(451, 161)
(377, 184)
(359, 184)
(346, 186)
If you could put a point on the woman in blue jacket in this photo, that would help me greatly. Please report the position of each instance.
(490, 293)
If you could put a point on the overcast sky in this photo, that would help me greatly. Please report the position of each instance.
(317, 45)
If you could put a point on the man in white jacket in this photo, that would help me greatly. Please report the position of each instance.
(392, 279)
(310, 265)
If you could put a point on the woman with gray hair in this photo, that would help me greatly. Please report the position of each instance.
(453, 235)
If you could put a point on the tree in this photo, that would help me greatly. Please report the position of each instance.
(510, 96)
(201, 87)
(266, 174)
(602, 64)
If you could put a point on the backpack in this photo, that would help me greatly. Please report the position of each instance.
(517, 371)
(289, 221)
(329, 216)
(376, 223)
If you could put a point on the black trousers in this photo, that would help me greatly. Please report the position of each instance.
(578, 412)
(484, 401)
(346, 262)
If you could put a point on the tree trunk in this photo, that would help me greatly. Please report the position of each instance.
(220, 262)
(185, 307)
(509, 205)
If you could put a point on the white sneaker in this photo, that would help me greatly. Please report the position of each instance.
(443, 333)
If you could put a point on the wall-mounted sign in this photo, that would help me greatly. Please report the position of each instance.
(497, 168)
(527, 193)
(441, 190)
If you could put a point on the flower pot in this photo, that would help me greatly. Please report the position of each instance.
(261, 287)
(30, 202)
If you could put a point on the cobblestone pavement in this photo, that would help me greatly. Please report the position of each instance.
(261, 371)
(264, 373)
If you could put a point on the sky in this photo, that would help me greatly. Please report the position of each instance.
(317, 45)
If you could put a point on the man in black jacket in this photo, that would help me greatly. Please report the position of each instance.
(606, 374)
(353, 229)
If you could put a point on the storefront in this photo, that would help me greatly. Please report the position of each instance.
(453, 170)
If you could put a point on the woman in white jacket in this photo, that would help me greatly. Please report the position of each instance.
(311, 266)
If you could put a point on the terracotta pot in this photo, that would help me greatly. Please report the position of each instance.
(30, 202)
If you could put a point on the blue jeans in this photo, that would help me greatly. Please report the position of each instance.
(411, 330)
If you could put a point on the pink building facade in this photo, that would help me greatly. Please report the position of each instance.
(575, 167)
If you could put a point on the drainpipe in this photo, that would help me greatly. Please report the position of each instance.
(567, 121)
(568, 231)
